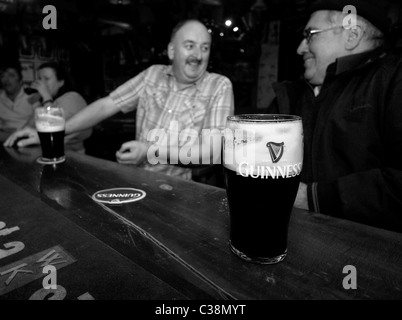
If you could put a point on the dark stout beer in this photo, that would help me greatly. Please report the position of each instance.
(52, 144)
(263, 157)
(259, 227)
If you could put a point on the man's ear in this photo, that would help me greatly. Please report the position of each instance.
(354, 37)
(170, 51)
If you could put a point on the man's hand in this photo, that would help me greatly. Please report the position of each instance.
(132, 152)
(301, 197)
(24, 137)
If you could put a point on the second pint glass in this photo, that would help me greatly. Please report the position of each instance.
(263, 156)
(50, 124)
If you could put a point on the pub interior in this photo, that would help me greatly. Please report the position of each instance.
(107, 42)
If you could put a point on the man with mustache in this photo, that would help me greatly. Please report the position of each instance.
(350, 102)
(174, 103)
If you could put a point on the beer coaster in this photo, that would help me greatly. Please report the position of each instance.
(45, 161)
(118, 195)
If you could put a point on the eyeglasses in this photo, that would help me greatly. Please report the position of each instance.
(308, 33)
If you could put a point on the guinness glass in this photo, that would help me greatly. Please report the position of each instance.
(262, 157)
(50, 125)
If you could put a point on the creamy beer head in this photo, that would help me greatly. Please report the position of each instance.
(49, 123)
(264, 145)
(49, 120)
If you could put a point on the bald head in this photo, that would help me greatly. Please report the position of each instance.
(185, 23)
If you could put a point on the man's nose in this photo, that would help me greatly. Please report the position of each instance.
(303, 47)
(197, 52)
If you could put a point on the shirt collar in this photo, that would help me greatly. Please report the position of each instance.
(169, 72)
(19, 95)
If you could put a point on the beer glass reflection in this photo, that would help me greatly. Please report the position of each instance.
(50, 124)
(262, 158)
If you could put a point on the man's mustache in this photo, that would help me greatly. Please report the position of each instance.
(193, 60)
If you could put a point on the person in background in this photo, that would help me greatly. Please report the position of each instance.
(179, 100)
(16, 107)
(54, 85)
(350, 102)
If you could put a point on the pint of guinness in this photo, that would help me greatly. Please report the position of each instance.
(262, 157)
(50, 124)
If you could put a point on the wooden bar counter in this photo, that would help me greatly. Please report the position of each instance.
(170, 245)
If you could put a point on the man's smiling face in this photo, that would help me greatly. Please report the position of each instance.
(323, 48)
(189, 52)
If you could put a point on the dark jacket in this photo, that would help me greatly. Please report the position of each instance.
(352, 138)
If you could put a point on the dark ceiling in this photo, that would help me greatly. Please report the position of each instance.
(142, 27)
(83, 21)
(91, 14)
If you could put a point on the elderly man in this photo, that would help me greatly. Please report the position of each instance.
(350, 103)
(16, 107)
(174, 103)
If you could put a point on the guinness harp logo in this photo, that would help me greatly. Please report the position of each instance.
(275, 150)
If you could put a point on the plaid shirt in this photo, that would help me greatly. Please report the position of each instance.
(185, 112)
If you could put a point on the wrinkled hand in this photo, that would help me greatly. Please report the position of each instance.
(29, 136)
(132, 152)
(42, 89)
(301, 197)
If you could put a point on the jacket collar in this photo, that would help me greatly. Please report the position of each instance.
(343, 64)
(354, 61)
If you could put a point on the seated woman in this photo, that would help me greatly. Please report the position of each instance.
(54, 85)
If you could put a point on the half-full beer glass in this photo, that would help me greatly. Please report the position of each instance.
(50, 124)
(262, 156)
